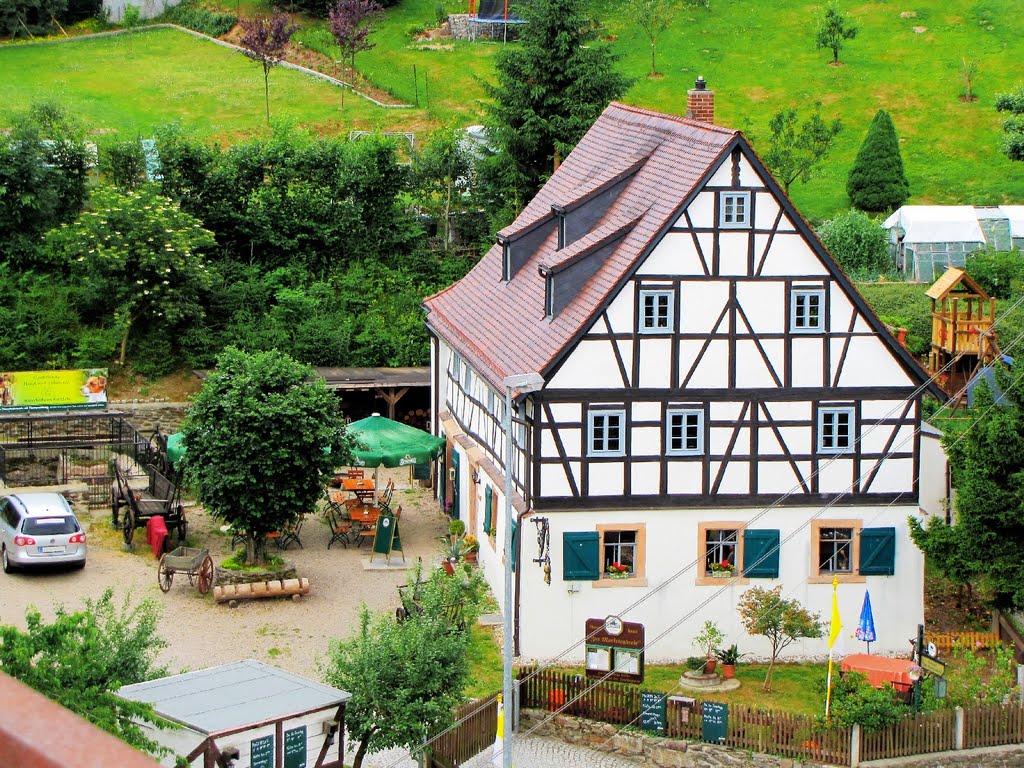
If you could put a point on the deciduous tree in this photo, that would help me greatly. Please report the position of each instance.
(144, 253)
(351, 22)
(262, 438)
(833, 30)
(443, 173)
(877, 181)
(986, 537)
(796, 151)
(765, 612)
(550, 89)
(653, 17)
(81, 658)
(405, 677)
(265, 40)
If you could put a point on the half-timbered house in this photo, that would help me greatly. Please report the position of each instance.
(715, 391)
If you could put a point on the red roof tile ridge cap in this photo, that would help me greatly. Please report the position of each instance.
(513, 230)
(710, 127)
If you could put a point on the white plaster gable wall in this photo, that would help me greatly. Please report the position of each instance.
(553, 617)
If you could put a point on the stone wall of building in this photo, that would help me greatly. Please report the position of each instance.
(147, 416)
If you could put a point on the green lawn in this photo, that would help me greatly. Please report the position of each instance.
(163, 76)
(757, 56)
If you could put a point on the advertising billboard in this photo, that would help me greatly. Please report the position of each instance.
(53, 390)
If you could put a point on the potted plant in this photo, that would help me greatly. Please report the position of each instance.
(470, 546)
(618, 571)
(708, 640)
(456, 527)
(729, 658)
(722, 570)
(452, 550)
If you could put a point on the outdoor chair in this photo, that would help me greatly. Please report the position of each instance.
(384, 501)
(340, 525)
(290, 535)
(356, 474)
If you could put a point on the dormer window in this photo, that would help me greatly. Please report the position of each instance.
(656, 311)
(734, 210)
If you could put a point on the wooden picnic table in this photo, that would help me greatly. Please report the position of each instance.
(356, 484)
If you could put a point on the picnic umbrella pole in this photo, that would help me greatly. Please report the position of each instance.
(866, 624)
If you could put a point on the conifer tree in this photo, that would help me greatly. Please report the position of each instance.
(877, 181)
(550, 90)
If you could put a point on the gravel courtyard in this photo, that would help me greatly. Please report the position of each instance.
(201, 633)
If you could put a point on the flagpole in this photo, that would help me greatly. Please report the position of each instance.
(836, 626)
(828, 686)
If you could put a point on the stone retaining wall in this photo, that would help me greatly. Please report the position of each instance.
(650, 750)
(1010, 756)
(146, 417)
(463, 29)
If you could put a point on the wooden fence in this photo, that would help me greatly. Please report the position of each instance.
(915, 735)
(469, 738)
(990, 725)
(760, 730)
(945, 641)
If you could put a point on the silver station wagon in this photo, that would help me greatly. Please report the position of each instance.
(39, 529)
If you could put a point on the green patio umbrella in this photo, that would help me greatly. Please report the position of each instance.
(387, 443)
(176, 447)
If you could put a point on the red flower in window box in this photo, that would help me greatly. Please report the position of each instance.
(618, 571)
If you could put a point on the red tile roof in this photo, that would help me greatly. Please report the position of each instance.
(500, 326)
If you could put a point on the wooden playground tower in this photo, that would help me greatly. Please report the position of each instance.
(963, 339)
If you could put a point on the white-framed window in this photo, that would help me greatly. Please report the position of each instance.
(467, 377)
(656, 311)
(835, 429)
(734, 210)
(456, 366)
(721, 549)
(684, 432)
(605, 432)
(807, 310)
(835, 550)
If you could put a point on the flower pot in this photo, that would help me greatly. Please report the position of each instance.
(471, 557)
(728, 671)
(721, 574)
(449, 567)
(709, 666)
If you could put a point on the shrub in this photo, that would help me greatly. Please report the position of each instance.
(194, 16)
(857, 242)
(854, 701)
(877, 181)
(124, 163)
(998, 272)
(905, 303)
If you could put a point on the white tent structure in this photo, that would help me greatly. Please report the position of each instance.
(925, 239)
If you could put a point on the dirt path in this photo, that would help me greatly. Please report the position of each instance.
(291, 635)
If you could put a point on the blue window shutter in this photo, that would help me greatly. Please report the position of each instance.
(515, 541)
(760, 554)
(877, 551)
(488, 495)
(581, 556)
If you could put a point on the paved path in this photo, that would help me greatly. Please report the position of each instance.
(530, 752)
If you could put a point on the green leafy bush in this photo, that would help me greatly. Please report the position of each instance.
(905, 303)
(194, 16)
(999, 272)
(857, 242)
(854, 701)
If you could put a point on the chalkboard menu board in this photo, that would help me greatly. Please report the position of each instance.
(295, 748)
(421, 472)
(714, 724)
(261, 752)
(652, 712)
(384, 536)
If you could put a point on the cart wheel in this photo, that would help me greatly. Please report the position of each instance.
(128, 527)
(206, 575)
(164, 575)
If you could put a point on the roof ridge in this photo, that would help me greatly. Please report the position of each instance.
(675, 118)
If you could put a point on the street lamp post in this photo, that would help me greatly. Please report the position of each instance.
(524, 382)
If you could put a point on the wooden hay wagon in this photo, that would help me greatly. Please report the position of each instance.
(159, 497)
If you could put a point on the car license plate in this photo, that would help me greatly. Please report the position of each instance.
(51, 550)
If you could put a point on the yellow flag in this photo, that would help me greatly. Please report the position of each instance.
(837, 623)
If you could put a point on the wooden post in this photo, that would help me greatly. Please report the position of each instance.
(958, 728)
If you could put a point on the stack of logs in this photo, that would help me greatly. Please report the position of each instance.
(289, 587)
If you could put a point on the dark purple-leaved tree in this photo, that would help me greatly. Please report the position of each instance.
(351, 24)
(264, 40)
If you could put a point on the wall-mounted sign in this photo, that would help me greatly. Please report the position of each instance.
(615, 650)
(261, 752)
(53, 390)
(295, 748)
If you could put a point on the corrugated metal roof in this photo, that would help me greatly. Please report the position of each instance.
(233, 696)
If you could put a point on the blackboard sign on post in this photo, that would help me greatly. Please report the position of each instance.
(652, 712)
(295, 748)
(384, 536)
(261, 752)
(714, 724)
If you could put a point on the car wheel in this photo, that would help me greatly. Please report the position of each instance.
(8, 566)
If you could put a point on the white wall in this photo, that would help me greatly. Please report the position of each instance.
(553, 617)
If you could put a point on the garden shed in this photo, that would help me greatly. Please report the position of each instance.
(260, 716)
(925, 239)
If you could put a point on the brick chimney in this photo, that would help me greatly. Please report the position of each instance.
(700, 102)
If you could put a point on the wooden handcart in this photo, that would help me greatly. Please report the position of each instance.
(195, 563)
(161, 496)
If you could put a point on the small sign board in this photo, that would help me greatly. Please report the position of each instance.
(714, 722)
(384, 536)
(932, 665)
(615, 650)
(421, 472)
(295, 748)
(261, 752)
(653, 711)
